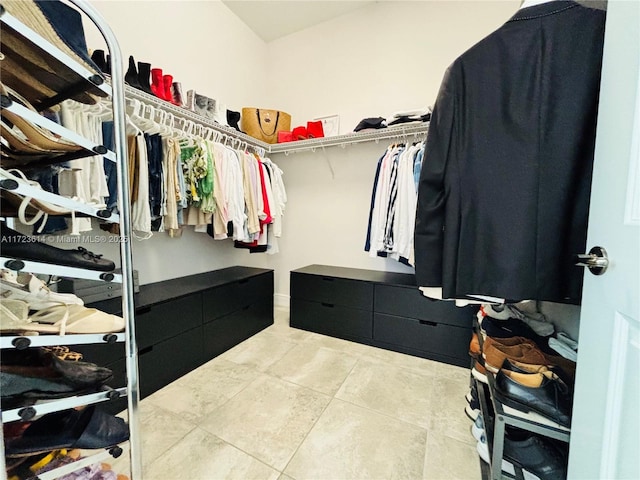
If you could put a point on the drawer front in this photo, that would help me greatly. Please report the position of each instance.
(102, 354)
(223, 333)
(165, 320)
(422, 335)
(332, 290)
(411, 303)
(226, 299)
(330, 319)
(167, 361)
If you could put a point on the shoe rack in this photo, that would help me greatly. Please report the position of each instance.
(79, 79)
(497, 416)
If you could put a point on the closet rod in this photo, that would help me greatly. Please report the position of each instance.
(407, 133)
(179, 112)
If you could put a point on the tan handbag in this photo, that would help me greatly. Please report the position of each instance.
(263, 124)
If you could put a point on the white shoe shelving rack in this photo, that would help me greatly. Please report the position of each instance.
(116, 91)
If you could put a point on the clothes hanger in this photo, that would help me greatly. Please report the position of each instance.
(155, 126)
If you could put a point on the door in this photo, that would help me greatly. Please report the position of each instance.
(605, 434)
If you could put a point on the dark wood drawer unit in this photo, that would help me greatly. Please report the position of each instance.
(410, 302)
(332, 290)
(226, 332)
(168, 360)
(184, 322)
(409, 335)
(383, 309)
(155, 323)
(240, 294)
(335, 320)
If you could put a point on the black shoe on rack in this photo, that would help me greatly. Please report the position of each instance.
(543, 393)
(535, 454)
(131, 77)
(88, 428)
(144, 77)
(100, 60)
(16, 245)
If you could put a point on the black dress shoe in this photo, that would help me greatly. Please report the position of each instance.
(550, 398)
(535, 454)
(16, 245)
(526, 368)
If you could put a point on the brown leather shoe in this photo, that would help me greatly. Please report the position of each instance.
(518, 349)
(474, 347)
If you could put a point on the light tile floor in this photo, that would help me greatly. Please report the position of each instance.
(289, 404)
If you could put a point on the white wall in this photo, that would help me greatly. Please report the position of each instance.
(202, 44)
(344, 66)
(379, 59)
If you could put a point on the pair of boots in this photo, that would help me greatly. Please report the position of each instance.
(162, 86)
(149, 80)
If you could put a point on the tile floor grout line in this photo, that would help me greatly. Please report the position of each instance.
(239, 449)
(193, 427)
(324, 409)
(333, 397)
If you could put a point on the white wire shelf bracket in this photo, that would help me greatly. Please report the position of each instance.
(113, 452)
(405, 133)
(26, 341)
(96, 81)
(18, 264)
(36, 118)
(28, 412)
(21, 188)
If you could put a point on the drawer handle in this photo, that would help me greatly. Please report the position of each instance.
(145, 350)
(328, 305)
(142, 310)
(328, 279)
(425, 322)
(244, 280)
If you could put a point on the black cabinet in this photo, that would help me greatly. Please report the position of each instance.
(184, 322)
(225, 332)
(161, 321)
(382, 309)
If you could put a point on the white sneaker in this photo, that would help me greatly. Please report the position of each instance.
(483, 452)
(478, 433)
(31, 289)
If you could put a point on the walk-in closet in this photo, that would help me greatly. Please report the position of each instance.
(314, 239)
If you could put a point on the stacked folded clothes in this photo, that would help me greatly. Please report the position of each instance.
(410, 116)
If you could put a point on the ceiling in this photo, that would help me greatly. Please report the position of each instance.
(272, 19)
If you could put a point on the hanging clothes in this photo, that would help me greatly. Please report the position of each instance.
(393, 204)
(83, 178)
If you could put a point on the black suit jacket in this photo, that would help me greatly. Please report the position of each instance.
(504, 189)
